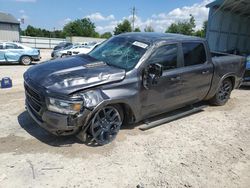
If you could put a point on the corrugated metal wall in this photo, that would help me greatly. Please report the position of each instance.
(228, 31)
(9, 32)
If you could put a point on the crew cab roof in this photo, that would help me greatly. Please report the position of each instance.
(153, 38)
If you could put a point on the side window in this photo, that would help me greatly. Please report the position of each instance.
(1, 46)
(11, 46)
(166, 56)
(19, 47)
(194, 53)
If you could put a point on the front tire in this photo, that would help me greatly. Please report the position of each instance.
(106, 124)
(223, 93)
(25, 60)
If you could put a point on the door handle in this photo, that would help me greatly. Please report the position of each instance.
(205, 72)
(177, 78)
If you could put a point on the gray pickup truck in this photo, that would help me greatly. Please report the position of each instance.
(128, 78)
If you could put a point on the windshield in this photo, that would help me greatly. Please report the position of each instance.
(120, 52)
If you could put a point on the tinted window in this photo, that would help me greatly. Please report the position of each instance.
(1, 46)
(11, 46)
(166, 56)
(194, 53)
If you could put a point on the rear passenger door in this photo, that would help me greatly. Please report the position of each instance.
(197, 71)
(12, 52)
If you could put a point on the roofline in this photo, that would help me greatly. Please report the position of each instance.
(16, 23)
(215, 3)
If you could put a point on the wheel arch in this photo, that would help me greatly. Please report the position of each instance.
(217, 82)
(231, 77)
(129, 116)
(20, 58)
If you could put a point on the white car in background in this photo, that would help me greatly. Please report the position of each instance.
(67, 51)
(84, 49)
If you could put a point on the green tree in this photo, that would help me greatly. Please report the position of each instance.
(38, 32)
(80, 27)
(183, 27)
(149, 28)
(59, 34)
(106, 35)
(31, 31)
(123, 27)
(137, 29)
(203, 31)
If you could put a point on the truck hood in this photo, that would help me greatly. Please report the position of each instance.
(68, 75)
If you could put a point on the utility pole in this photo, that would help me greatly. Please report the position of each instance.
(133, 17)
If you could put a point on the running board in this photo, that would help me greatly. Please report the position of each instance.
(149, 125)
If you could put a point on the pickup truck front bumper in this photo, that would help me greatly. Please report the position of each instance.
(56, 123)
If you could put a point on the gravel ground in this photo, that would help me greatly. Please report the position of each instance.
(206, 149)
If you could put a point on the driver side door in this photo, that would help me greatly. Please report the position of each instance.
(165, 94)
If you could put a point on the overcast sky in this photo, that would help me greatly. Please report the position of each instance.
(106, 14)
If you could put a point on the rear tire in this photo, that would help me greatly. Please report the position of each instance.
(223, 93)
(25, 60)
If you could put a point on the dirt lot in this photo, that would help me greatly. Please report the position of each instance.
(207, 149)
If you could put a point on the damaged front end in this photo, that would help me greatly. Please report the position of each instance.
(63, 102)
(62, 116)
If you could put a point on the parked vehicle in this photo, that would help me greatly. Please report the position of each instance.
(126, 79)
(61, 46)
(246, 81)
(66, 52)
(76, 49)
(83, 49)
(15, 52)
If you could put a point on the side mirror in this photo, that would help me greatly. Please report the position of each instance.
(151, 75)
(155, 69)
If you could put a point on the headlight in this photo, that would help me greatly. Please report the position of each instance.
(92, 98)
(63, 106)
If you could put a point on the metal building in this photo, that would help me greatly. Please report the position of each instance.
(9, 28)
(229, 26)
